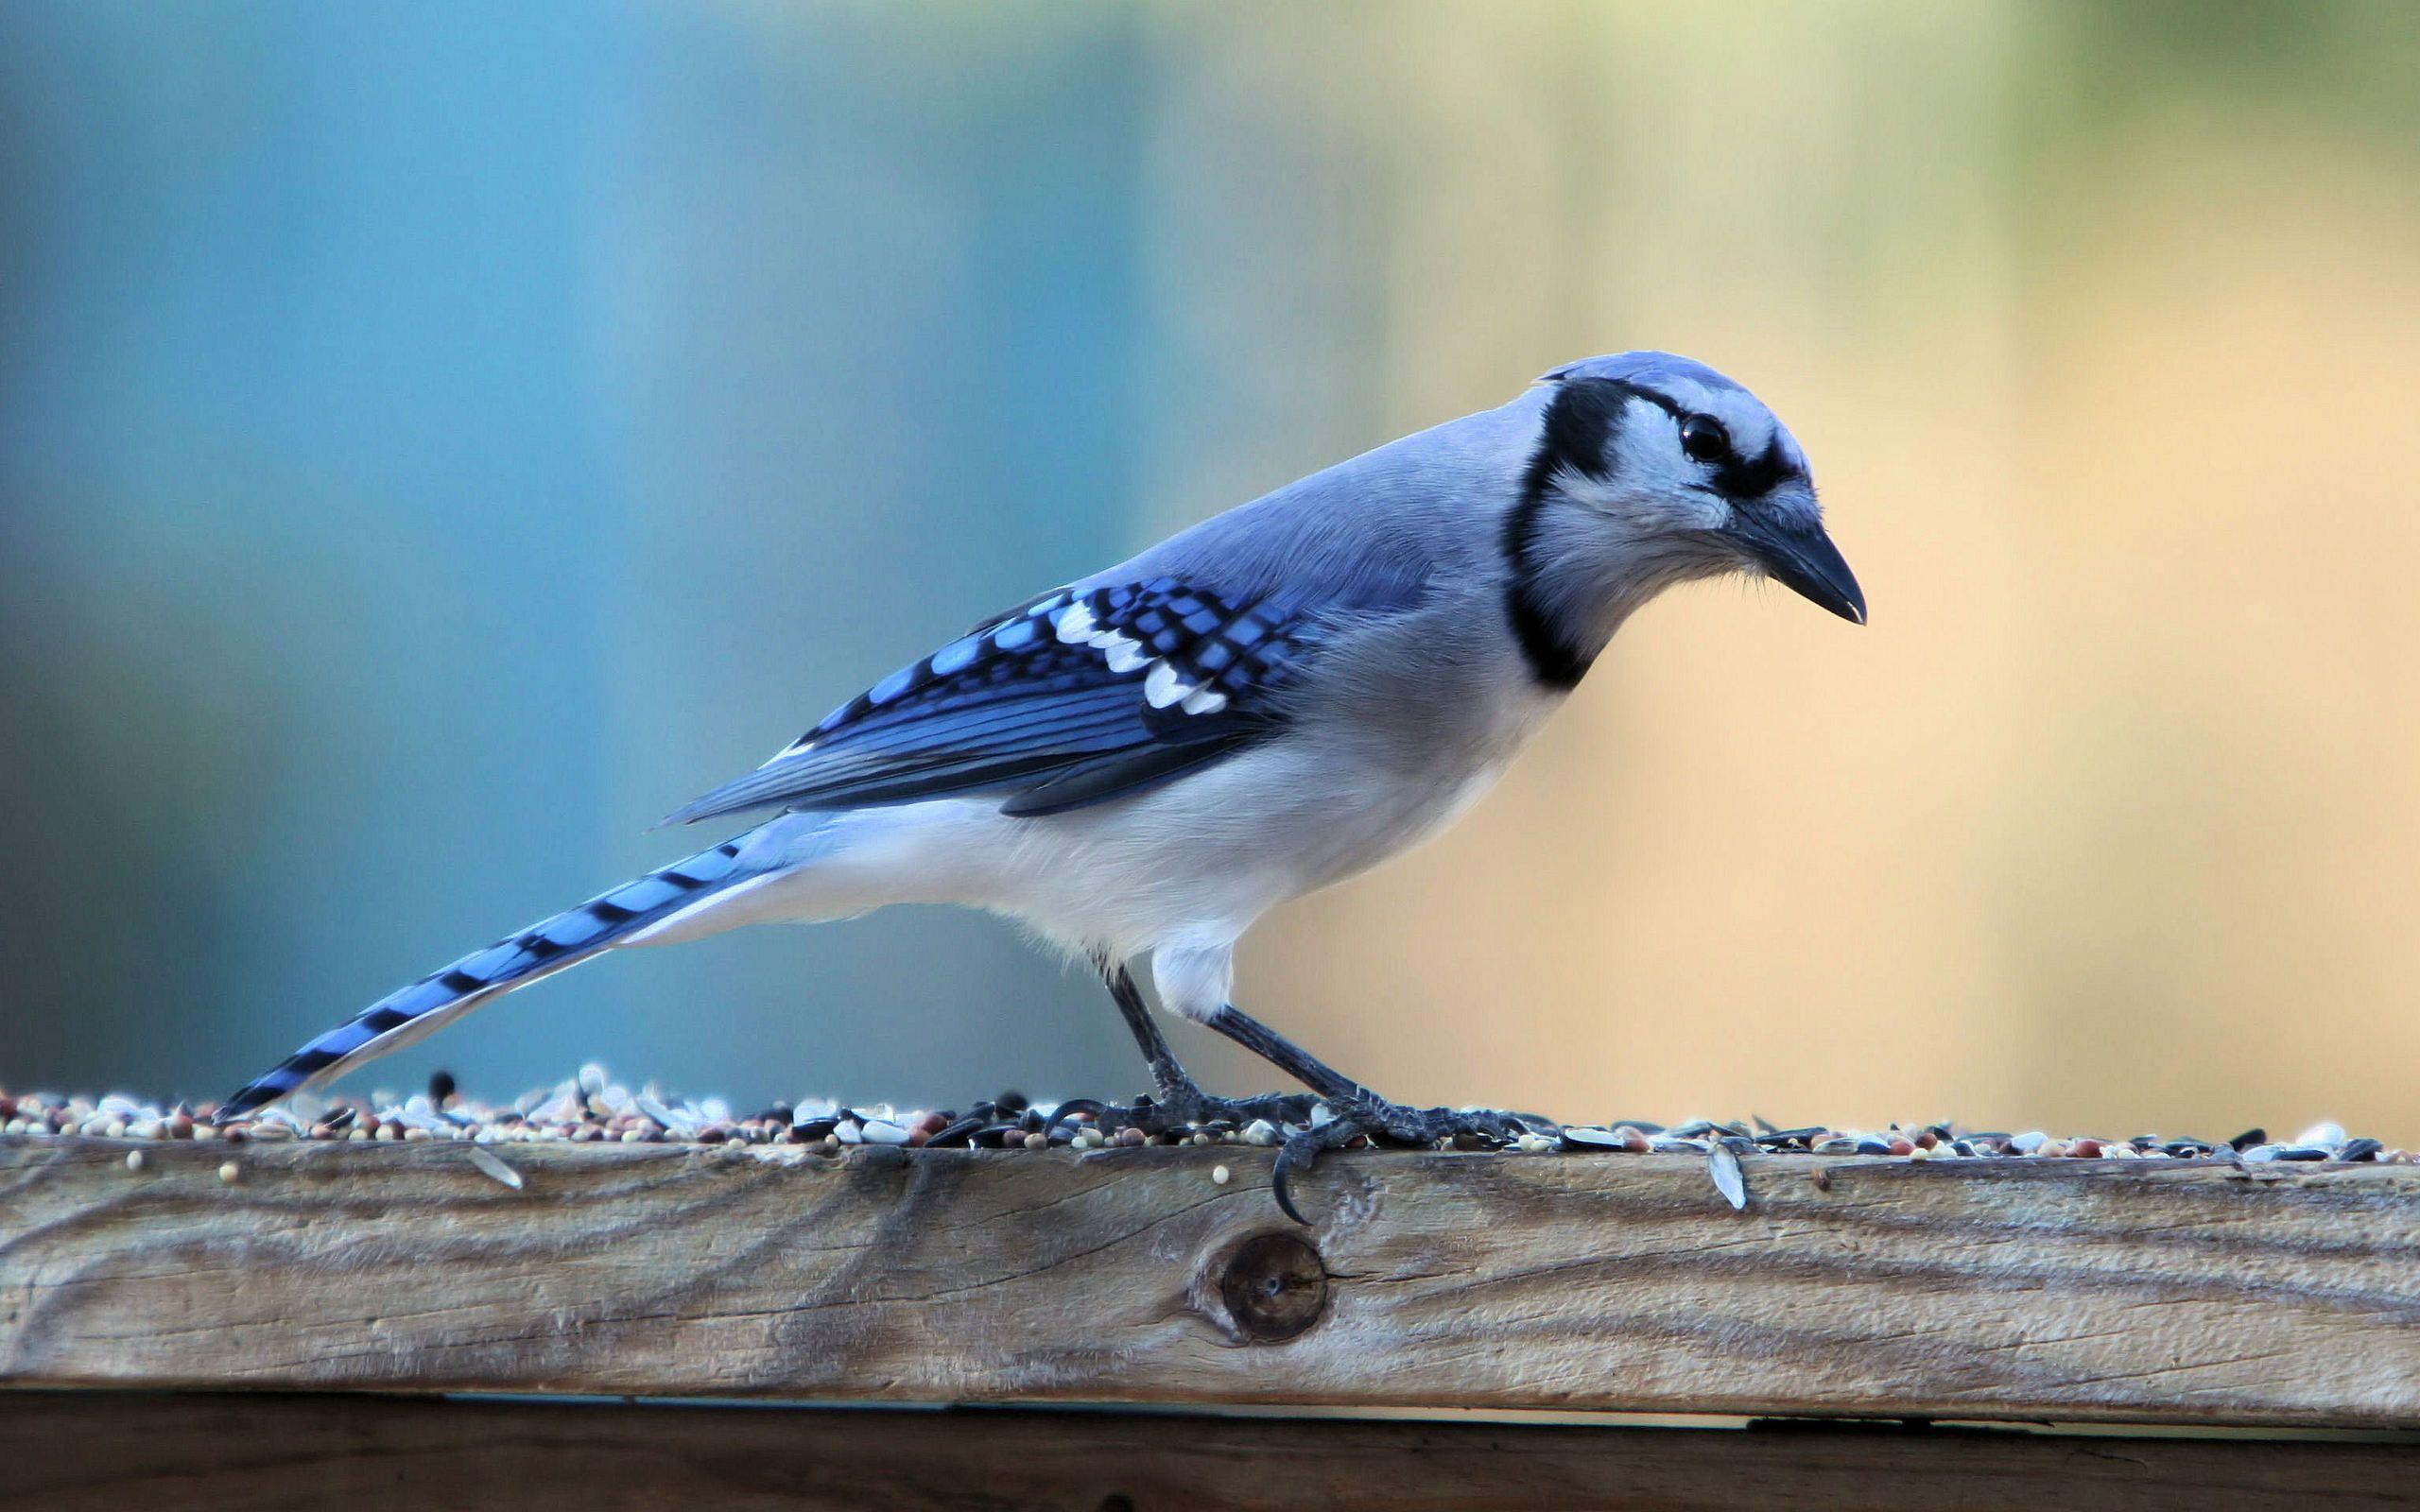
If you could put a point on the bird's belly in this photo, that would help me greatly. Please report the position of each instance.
(1210, 853)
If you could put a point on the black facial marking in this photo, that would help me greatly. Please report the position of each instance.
(1580, 423)
(1740, 478)
(1576, 436)
(1736, 477)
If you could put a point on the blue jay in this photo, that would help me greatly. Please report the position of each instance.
(1141, 764)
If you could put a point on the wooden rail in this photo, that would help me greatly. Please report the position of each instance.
(270, 1454)
(2076, 1291)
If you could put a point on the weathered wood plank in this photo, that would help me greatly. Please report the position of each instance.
(2072, 1290)
(271, 1453)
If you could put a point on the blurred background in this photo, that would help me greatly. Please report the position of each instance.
(438, 439)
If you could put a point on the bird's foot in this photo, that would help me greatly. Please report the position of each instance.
(1386, 1123)
(1178, 1108)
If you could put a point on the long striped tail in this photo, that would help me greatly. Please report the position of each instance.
(405, 1016)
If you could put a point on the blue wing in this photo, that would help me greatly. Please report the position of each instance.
(1081, 696)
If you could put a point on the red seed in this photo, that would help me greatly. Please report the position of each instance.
(2089, 1149)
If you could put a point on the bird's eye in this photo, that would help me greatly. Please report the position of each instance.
(1704, 439)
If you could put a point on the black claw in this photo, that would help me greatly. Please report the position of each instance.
(1300, 1153)
(1392, 1123)
(1280, 1184)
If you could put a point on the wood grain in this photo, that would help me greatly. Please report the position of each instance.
(270, 1454)
(2065, 1290)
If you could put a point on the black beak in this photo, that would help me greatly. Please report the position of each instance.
(1803, 557)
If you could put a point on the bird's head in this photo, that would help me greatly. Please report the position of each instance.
(1652, 469)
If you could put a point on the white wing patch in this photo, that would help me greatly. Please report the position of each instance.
(1163, 687)
(1162, 684)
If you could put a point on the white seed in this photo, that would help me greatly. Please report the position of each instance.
(494, 1168)
(1723, 1167)
(231, 1172)
(1220, 1175)
(134, 1160)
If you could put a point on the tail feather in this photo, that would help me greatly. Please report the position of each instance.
(404, 1016)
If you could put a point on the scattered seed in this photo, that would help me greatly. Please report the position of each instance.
(231, 1172)
(1725, 1167)
(494, 1166)
(592, 1108)
(1220, 1175)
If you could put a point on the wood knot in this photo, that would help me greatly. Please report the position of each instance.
(1275, 1287)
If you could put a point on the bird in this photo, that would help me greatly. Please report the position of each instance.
(1142, 763)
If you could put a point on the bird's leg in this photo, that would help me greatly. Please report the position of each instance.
(1358, 1110)
(1177, 1099)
